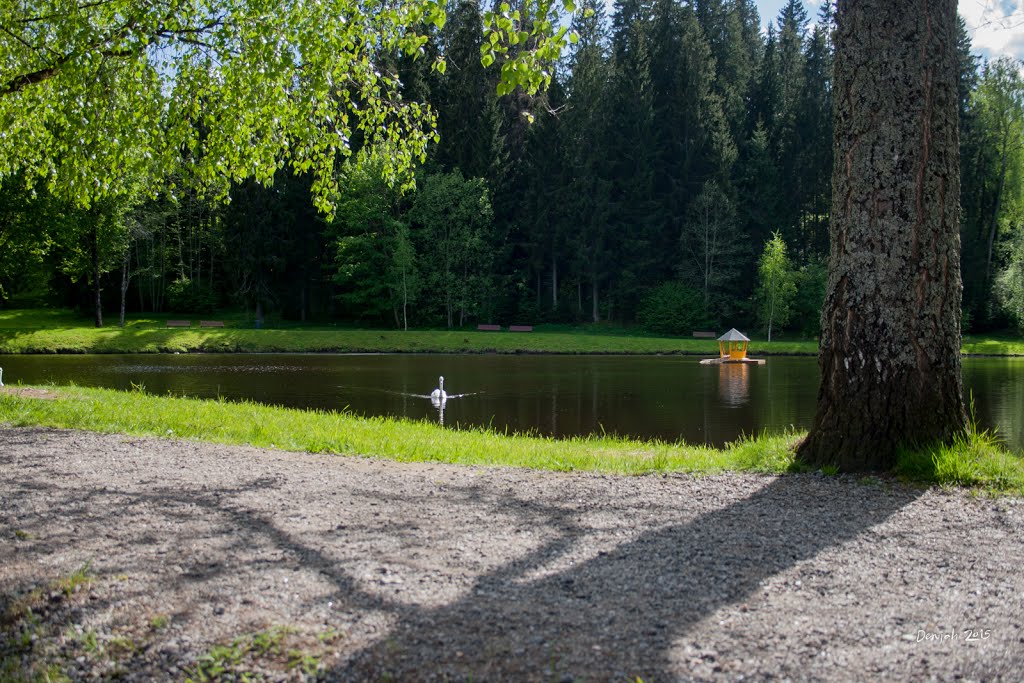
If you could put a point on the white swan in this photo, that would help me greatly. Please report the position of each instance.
(1, 377)
(439, 393)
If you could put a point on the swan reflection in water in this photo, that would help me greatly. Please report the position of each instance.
(439, 402)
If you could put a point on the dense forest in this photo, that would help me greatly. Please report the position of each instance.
(675, 176)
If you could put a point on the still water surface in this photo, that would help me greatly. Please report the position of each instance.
(665, 397)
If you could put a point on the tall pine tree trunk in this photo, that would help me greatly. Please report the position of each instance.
(554, 282)
(139, 281)
(95, 262)
(890, 344)
(126, 279)
(994, 223)
(405, 302)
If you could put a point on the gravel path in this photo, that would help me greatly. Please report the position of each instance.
(206, 560)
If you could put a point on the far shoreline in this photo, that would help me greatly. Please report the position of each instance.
(423, 352)
(45, 331)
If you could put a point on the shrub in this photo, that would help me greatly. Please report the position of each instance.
(186, 296)
(673, 308)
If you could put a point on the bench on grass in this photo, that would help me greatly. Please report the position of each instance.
(520, 328)
(211, 323)
(489, 328)
(179, 323)
(701, 334)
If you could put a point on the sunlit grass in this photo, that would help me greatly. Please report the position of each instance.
(974, 459)
(62, 331)
(44, 331)
(162, 340)
(317, 431)
(994, 346)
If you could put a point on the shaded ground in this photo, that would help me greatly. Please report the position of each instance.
(198, 560)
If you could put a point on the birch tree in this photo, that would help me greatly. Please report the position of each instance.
(776, 289)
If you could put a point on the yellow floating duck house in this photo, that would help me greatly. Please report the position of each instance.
(732, 348)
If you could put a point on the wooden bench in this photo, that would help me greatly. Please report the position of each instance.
(179, 323)
(701, 334)
(489, 328)
(520, 328)
(211, 323)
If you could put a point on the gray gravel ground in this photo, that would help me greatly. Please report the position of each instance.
(286, 566)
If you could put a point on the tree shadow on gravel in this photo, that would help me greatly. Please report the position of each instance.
(617, 615)
(625, 609)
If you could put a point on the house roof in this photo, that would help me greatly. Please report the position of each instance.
(733, 335)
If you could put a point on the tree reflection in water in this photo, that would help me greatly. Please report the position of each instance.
(734, 383)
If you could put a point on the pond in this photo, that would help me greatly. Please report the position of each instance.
(665, 397)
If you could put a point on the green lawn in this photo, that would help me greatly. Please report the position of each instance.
(35, 331)
(61, 331)
(1001, 345)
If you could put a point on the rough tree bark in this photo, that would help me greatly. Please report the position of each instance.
(890, 344)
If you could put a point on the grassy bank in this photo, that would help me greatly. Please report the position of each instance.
(135, 340)
(56, 332)
(1001, 345)
(974, 461)
(316, 431)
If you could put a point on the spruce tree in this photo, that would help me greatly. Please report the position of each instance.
(586, 148)
(783, 129)
(466, 115)
(736, 48)
(630, 145)
(812, 154)
(692, 138)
